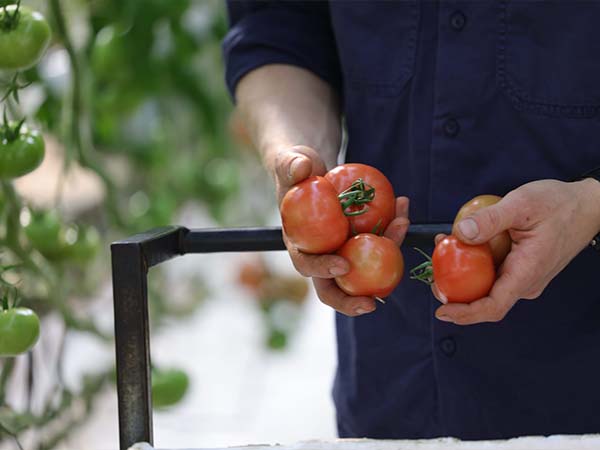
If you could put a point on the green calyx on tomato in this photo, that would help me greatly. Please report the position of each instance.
(19, 331)
(354, 199)
(169, 386)
(24, 37)
(21, 149)
(366, 197)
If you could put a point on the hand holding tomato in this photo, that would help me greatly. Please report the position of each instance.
(294, 166)
(549, 223)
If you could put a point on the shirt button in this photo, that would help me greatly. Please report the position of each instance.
(458, 20)
(448, 346)
(451, 127)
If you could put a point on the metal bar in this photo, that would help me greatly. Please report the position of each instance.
(131, 259)
(232, 240)
(267, 239)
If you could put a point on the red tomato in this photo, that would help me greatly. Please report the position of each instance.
(380, 210)
(463, 273)
(500, 244)
(376, 266)
(312, 217)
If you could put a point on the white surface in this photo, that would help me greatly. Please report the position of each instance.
(590, 442)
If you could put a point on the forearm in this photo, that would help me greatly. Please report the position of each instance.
(285, 106)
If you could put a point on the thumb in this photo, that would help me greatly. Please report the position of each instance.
(486, 223)
(296, 164)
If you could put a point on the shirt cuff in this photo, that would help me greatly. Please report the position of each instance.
(280, 36)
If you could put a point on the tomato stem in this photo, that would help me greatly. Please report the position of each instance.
(9, 21)
(358, 194)
(12, 88)
(424, 271)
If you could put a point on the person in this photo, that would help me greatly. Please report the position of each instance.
(450, 100)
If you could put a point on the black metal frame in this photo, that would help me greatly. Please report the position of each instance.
(131, 260)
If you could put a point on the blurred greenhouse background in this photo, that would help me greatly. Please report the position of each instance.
(139, 132)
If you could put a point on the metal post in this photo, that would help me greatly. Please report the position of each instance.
(131, 260)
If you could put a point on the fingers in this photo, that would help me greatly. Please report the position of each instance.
(397, 228)
(330, 294)
(439, 237)
(321, 266)
(402, 204)
(487, 222)
(296, 164)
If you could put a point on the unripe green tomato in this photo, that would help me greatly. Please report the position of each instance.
(19, 331)
(168, 387)
(21, 155)
(24, 43)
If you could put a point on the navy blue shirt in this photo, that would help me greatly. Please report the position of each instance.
(450, 100)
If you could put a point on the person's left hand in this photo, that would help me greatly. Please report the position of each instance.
(549, 222)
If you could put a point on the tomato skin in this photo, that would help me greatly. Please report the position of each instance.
(45, 233)
(86, 246)
(169, 386)
(376, 266)
(312, 217)
(19, 331)
(500, 244)
(23, 46)
(382, 209)
(22, 155)
(463, 273)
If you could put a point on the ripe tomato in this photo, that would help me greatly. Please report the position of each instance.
(463, 273)
(500, 244)
(252, 274)
(19, 331)
(312, 217)
(376, 266)
(380, 210)
(20, 153)
(24, 39)
(169, 386)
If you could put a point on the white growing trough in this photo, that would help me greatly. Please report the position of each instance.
(558, 442)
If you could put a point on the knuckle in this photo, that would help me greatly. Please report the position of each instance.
(533, 294)
(493, 218)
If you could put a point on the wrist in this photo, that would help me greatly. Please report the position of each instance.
(590, 204)
(592, 190)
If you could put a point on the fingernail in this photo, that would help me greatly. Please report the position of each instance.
(337, 271)
(293, 166)
(444, 318)
(443, 298)
(468, 228)
(360, 311)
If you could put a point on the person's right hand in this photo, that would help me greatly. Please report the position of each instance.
(291, 167)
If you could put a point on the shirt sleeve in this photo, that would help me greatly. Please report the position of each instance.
(287, 32)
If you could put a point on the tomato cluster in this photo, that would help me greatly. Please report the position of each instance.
(464, 273)
(24, 37)
(346, 212)
(58, 241)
